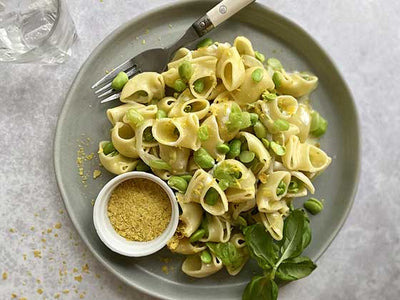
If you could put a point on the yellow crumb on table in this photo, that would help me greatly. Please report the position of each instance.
(37, 253)
(58, 225)
(96, 173)
(12, 230)
(5, 275)
(39, 291)
(78, 278)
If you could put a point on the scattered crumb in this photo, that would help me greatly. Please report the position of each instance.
(43, 240)
(170, 25)
(85, 268)
(24, 255)
(75, 270)
(143, 42)
(81, 296)
(65, 291)
(92, 201)
(56, 296)
(57, 226)
(36, 214)
(23, 298)
(165, 269)
(61, 211)
(12, 230)
(32, 228)
(38, 281)
(78, 278)
(97, 275)
(90, 156)
(13, 295)
(37, 253)
(49, 230)
(56, 235)
(39, 291)
(4, 275)
(96, 173)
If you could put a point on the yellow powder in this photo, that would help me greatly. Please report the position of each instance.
(78, 278)
(4, 275)
(57, 226)
(39, 291)
(37, 253)
(139, 210)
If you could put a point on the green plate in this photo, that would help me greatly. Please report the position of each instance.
(83, 119)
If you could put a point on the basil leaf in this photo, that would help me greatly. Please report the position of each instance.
(261, 246)
(295, 268)
(261, 288)
(293, 230)
(228, 254)
(306, 232)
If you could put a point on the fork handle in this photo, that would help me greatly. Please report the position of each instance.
(219, 14)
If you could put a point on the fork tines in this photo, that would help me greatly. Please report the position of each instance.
(129, 67)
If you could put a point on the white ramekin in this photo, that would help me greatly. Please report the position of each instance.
(116, 242)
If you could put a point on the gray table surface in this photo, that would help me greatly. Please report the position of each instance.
(363, 262)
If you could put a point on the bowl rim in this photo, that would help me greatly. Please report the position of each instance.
(111, 238)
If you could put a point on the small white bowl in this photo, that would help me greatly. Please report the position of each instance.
(116, 242)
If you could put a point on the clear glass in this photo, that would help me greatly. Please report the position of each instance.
(35, 31)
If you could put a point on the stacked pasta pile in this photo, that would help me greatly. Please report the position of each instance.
(234, 137)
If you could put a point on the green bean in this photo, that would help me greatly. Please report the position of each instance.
(281, 125)
(277, 79)
(223, 184)
(205, 43)
(159, 164)
(257, 75)
(203, 159)
(278, 149)
(246, 120)
(197, 235)
(203, 133)
(274, 63)
(223, 148)
(141, 166)
(206, 257)
(253, 118)
(198, 85)
(211, 197)
(280, 190)
(161, 114)
(294, 186)
(204, 224)
(234, 148)
(148, 135)
(267, 96)
(119, 81)
(259, 56)
(318, 124)
(187, 177)
(179, 85)
(314, 206)
(247, 156)
(185, 70)
(134, 117)
(266, 143)
(178, 183)
(108, 148)
(260, 130)
(235, 118)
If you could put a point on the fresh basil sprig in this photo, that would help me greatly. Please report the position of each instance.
(279, 260)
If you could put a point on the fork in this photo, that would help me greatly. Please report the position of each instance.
(156, 59)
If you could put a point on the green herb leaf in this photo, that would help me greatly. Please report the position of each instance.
(261, 246)
(306, 232)
(293, 229)
(295, 268)
(228, 254)
(261, 287)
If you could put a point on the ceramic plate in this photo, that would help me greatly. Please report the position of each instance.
(83, 121)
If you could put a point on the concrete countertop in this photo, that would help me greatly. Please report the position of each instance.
(363, 262)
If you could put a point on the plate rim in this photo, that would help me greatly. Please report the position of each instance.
(141, 17)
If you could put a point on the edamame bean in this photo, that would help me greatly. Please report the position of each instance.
(280, 190)
(223, 148)
(314, 206)
(205, 43)
(203, 159)
(187, 177)
(141, 166)
(274, 63)
(134, 117)
(277, 148)
(179, 85)
(108, 148)
(235, 118)
(211, 197)
(260, 130)
(234, 148)
(247, 156)
(148, 135)
(206, 257)
(267, 96)
(318, 124)
(198, 85)
(259, 56)
(277, 79)
(197, 235)
(246, 122)
(203, 133)
(281, 125)
(119, 81)
(266, 143)
(253, 118)
(185, 70)
(159, 164)
(178, 183)
(223, 184)
(161, 114)
(294, 186)
(257, 75)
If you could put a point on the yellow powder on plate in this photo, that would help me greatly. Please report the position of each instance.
(139, 210)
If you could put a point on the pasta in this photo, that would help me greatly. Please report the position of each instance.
(240, 131)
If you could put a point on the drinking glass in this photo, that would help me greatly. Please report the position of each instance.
(35, 31)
